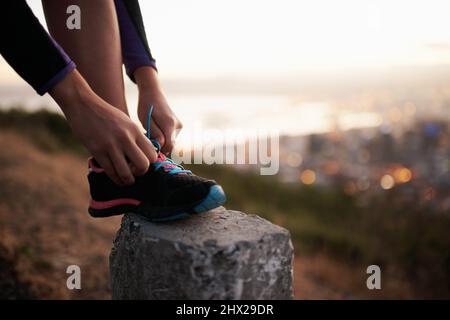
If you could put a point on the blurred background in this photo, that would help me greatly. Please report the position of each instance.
(360, 93)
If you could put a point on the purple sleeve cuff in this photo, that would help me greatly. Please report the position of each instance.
(70, 65)
(56, 78)
(135, 62)
(133, 51)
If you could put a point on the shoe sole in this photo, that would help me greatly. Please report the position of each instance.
(215, 198)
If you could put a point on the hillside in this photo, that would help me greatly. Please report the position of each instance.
(44, 225)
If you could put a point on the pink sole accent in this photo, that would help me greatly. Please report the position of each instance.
(112, 203)
(94, 168)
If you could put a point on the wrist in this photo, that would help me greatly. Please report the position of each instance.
(71, 93)
(147, 79)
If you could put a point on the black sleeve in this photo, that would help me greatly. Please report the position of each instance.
(29, 49)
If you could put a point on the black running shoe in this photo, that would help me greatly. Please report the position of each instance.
(166, 192)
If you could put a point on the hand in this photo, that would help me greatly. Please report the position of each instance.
(114, 140)
(164, 125)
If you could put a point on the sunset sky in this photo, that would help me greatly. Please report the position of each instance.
(204, 38)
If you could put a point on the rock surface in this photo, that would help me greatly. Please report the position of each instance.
(221, 254)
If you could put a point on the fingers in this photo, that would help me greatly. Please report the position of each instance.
(178, 129)
(147, 148)
(121, 166)
(139, 162)
(107, 165)
(157, 133)
(140, 155)
(164, 125)
(168, 124)
(170, 128)
(170, 143)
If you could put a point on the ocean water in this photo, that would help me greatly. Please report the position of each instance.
(286, 114)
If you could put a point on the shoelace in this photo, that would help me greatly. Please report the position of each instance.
(162, 161)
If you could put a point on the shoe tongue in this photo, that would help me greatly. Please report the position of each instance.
(161, 157)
